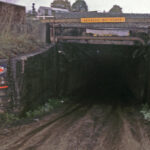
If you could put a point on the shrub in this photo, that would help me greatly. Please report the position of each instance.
(47, 107)
(8, 118)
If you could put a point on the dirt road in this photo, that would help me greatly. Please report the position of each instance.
(82, 127)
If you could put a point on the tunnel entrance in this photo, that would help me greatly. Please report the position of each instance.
(95, 71)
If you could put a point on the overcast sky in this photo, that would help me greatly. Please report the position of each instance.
(129, 6)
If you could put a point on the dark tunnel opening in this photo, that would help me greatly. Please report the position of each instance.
(100, 72)
(104, 80)
(86, 73)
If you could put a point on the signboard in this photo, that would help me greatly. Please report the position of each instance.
(103, 20)
(110, 32)
(2, 70)
(3, 82)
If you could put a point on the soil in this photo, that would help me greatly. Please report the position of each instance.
(82, 127)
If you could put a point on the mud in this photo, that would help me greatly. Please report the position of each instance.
(82, 127)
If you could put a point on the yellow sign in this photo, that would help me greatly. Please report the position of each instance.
(102, 20)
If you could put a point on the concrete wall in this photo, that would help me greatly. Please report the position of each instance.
(31, 79)
(27, 77)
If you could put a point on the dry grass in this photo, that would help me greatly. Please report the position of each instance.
(18, 38)
(13, 43)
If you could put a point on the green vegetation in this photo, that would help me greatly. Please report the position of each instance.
(116, 9)
(146, 111)
(47, 107)
(79, 6)
(64, 4)
(8, 118)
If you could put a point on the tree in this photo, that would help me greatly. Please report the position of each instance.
(80, 6)
(115, 9)
(64, 4)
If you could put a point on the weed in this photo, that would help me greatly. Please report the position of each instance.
(47, 107)
(18, 38)
(8, 118)
(146, 111)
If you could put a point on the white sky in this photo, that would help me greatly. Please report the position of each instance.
(129, 6)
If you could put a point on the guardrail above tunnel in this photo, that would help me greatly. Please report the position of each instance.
(101, 40)
(116, 36)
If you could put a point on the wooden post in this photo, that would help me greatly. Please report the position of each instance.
(47, 33)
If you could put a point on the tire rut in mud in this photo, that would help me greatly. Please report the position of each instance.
(91, 127)
(37, 130)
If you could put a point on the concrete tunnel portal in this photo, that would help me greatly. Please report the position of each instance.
(98, 71)
(86, 72)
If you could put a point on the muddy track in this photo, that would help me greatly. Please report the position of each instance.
(83, 127)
